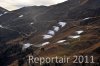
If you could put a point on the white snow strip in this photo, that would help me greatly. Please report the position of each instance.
(45, 43)
(74, 37)
(31, 23)
(1, 14)
(47, 36)
(61, 41)
(5, 12)
(86, 18)
(1, 26)
(56, 28)
(27, 45)
(79, 32)
(21, 16)
(62, 24)
(51, 32)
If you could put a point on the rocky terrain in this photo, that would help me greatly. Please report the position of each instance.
(68, 28)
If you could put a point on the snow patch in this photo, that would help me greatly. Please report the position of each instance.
(31, 23)
(74, 37)
(86, 18)
(79, 32)
(1, 14)
(62, 24)
(1, 26)
(56, 28)
(51, 32)
(47, 36)
(61, 41)
(21, 16)
(5, 12)
(45, 43)
(27, 45)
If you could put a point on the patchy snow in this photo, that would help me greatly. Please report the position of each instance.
(1, 14)
(1, 26)
(45, 43)
(51, 32)
(47, 36)
(62, 24)
(86, 18)
(21, 16)
(74, 37)
(61, 41)
(56, 28)
(79, 32)
(5, 12)
(27, 45)
(31, 23)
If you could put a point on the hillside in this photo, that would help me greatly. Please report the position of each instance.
(69, 28)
